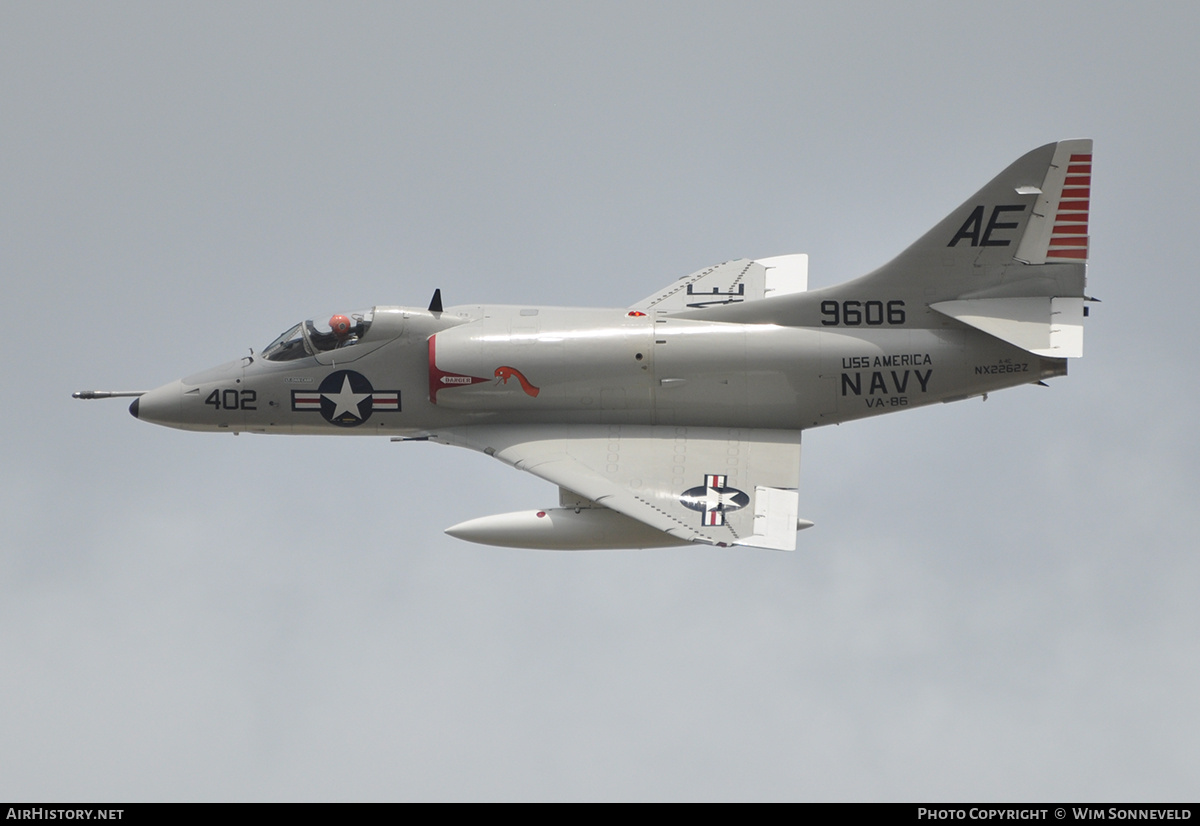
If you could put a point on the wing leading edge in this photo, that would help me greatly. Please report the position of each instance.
(716, 486)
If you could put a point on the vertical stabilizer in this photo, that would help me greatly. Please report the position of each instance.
(1022, 235)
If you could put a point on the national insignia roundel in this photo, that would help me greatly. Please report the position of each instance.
(346, 399)
(714, 499)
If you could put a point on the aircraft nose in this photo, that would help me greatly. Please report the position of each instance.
(160, 406)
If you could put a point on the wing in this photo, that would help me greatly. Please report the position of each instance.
(732, 282)
(718, 486)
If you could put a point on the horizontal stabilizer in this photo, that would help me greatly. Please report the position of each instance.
(1051, 327)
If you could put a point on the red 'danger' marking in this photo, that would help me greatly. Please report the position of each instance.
(441, 380)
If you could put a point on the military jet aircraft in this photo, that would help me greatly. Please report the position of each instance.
(678, 419)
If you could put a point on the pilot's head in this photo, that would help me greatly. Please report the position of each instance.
(341, 326)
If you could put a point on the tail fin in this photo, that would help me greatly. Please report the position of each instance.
(1035, 300)
(1022, 235)
(1011, 261)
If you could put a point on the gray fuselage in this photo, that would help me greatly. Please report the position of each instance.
(415, 371)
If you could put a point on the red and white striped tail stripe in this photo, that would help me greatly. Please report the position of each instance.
(1069, 238)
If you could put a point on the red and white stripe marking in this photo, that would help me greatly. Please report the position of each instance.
(381, 401)
(714, 483)
(306, 400)
(1069, 238)
(385, 401)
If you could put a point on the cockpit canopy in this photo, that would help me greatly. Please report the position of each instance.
(308, 338)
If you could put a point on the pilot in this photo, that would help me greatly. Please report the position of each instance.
(344, 330)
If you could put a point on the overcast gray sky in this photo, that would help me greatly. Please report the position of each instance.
(998, 601)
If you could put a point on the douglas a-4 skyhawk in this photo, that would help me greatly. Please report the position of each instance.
(678, 419)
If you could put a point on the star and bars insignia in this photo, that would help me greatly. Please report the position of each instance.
(346, 399)
(714, 499)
